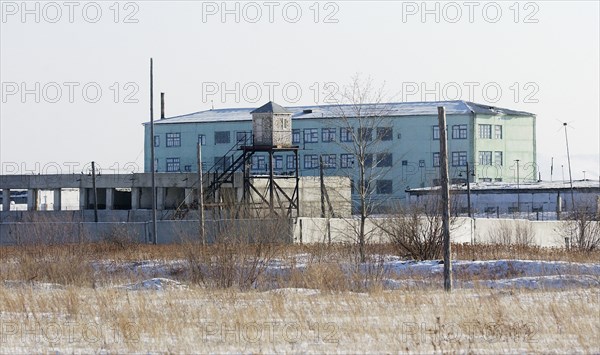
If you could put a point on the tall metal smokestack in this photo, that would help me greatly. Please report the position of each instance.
(162, 105)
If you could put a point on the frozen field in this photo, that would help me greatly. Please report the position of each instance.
(299, 305)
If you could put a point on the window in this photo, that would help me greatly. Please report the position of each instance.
(384, 160)
(405, 163)
(295, 136)
(436, 132)
(311, 135)
(243, 138)
(172, 164)
(436, 159)
(383, 187)
(459, 158)
(222, 137)
(329, 161)
(497, 132)
(290, 162)
(278, 162)
(368, 160)
(485, 158)
(157, 141)
(498, 158)
(328, 134)
(187, 168)
(365, 134)
(222, 163)
(459, 131)
(311, 161)
(259, 163)
(202, 139)
(422, 163)
(485, 131)
(173, 139)
(385, 133)
(346, 134)
(347, 160)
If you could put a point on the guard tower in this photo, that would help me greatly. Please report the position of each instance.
(267, 190)
(272, 135)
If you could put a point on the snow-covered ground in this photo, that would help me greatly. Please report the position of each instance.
(498, 306)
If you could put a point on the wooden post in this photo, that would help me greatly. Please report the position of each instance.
(201, 196)
(95, 192)
(445, 199)
(322, 187)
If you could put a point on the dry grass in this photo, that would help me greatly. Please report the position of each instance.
(79, 319)
(226, 308)
(327, 267)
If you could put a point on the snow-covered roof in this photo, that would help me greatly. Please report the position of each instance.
(511, 187)
(270, 107)
(428, 108)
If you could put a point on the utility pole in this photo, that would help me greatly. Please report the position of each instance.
(445, 198)
(322, 187)
(201, 196)
(518, 188)
(95, 192)
(468, 190)
(152, 163)
(569, 161)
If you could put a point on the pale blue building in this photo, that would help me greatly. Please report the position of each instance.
(495, 142)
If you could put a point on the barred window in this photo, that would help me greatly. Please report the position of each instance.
(328, 134)
(311, 161)
(436, 159)
(436, 132)
(459, 131)
(485, 131)
(459, 158)
(172, 164)
(383, 187)
(295, 136)
(347, 160)
(384, 160)
(311, 135)
(498, 159)
(329, 161)
(485, 158)
(498, 132)
(222, 137)
(173, 139)
(346, 134)
(385, 133)
(365, 134)
(291, 162)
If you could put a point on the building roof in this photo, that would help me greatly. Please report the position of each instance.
(511, 188)
(458, 107)
(270, 107)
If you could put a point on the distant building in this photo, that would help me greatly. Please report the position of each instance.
(490, 139)
(502, 198)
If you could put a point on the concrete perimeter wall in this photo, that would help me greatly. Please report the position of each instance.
(464, 230)
(305, 230)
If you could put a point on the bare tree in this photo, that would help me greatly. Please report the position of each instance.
(582, 226)
(364, 122)
(416, 229)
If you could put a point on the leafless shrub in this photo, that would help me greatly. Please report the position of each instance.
(582, 226)
(416, 229)
(240, 254)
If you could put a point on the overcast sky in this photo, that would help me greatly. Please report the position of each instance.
(75, 84)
